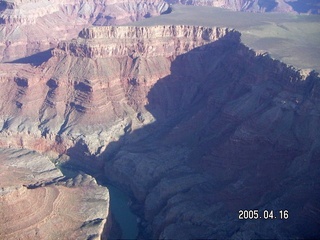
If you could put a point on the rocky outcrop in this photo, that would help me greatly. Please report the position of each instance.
(61, 20)
(232, 133)
(37, 203)
(29, 11)
(165, 41)
(194, 130)
(56, 109)
(300, 6)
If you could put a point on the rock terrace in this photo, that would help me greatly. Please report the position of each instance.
(36, 203)
(188, 120)
(30, 27)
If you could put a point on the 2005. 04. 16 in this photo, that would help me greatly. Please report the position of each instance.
(267, 214)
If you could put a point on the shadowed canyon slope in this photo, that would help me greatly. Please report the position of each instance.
(31, 26)
(94, 88)
(188, 120)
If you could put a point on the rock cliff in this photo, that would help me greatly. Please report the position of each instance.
(112, 69)
(232, 132)
(31, 26)
(189, 121)
(165, 41)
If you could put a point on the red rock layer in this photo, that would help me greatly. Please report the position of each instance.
(93, 88)
(29, 27)
(36, 204)
(195, 129)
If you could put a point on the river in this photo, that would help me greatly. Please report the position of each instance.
(122, 213)
(118, 205)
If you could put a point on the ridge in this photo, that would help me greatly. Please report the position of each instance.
(164, 40)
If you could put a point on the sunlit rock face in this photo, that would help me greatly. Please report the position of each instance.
(37, 203)
(93, 89)
(31, 26)
(299, 6)
(188, 120)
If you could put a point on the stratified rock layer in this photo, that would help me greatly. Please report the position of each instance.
(28, 27)
(164, 41)
(103, 97)
(36, 204)
(189, 121)
(234, 131)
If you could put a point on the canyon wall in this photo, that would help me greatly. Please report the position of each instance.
(187, 120)
(99, 80)
(29, 27)
(234, 130)
(165, 41)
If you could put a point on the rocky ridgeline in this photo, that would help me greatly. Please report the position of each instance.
(62, 20)
(52, 111)
(102, 42)
(208, 34)
(26, 12)
(192, 129)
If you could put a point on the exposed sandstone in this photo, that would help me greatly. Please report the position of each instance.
(28, 27)
(194, 136)
(165, 41)
(35, 203)
(95, 104)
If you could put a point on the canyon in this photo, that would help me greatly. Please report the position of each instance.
(187, 120)
(34, 192)
(33, 26)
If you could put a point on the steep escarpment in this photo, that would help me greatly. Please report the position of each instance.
(165, 41)
(300, 6)
(29, 27)
(233, 131)
(93, 89)
(187, 120)
(75, 104)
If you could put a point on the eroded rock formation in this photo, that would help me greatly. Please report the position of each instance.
(112, 70)
(232, 132)
(189, 121)
(37, 203)
(31, 26)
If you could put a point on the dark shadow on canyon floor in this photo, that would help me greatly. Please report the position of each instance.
(36, 59)
(231, 133)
